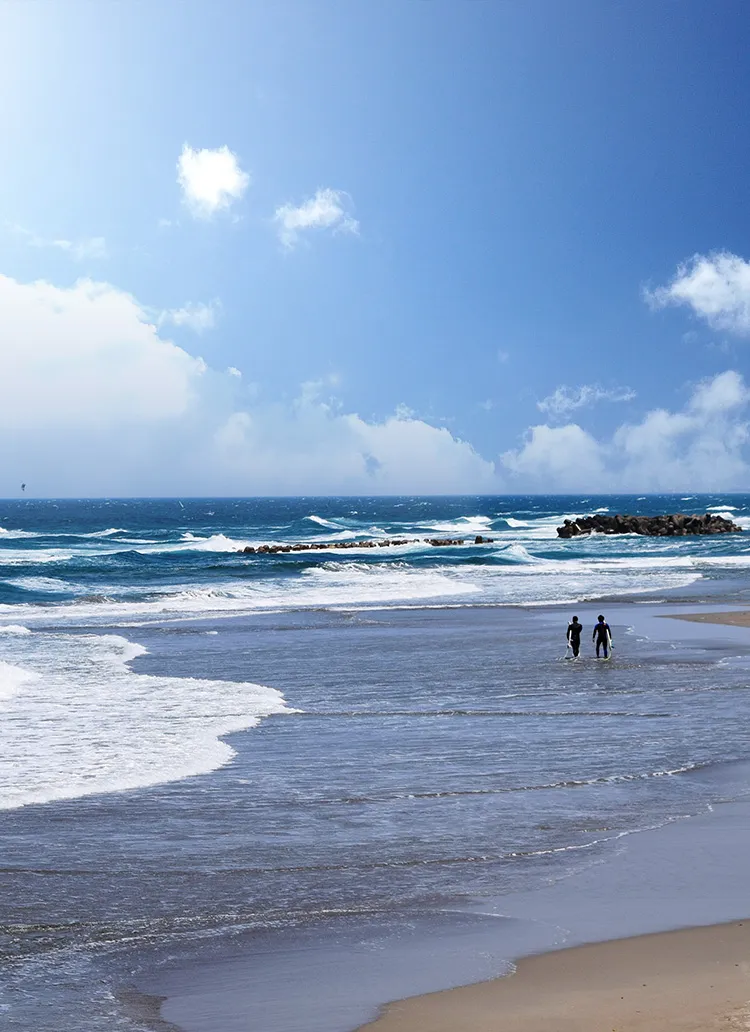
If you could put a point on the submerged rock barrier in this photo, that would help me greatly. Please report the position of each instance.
(674, 525)
(315, 546)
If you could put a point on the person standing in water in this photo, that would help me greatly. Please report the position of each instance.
(602, 636)
(574, 636)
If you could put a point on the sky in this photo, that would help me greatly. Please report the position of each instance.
(374, 248)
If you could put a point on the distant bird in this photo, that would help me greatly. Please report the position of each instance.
(23, 487)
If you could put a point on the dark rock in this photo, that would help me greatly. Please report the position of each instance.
(672, 525)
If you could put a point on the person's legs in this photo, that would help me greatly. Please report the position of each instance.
(598, 646)
(575, 644)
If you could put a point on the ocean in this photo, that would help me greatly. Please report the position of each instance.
(337, 768)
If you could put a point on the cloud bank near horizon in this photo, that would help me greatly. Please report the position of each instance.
(96, 399)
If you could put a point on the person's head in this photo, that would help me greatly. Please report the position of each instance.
(575, 619)
(600, 618)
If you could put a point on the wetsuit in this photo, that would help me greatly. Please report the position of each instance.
(603, 637)
(574, 637)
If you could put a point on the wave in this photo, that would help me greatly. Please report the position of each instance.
(113, 729)
(517, 553)
(30, 557)
(463, 525)
(323, 523)
(14, 629)
(12, 679)
(109, 532)
(48, 585)
(214, 543)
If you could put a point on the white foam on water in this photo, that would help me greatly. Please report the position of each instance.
(14, 629)
(214, 543)
(104, 533)
(12, 680)
(323, 523)
(51, 585)
(463, 525)
(76, 720)
(30, 557)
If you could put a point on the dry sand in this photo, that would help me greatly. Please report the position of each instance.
(739, 619)
(696, 980)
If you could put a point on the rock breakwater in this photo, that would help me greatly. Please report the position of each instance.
(674, 525)
(315, 546)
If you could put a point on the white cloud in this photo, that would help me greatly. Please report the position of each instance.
(562, 458)
(211, 180)
(326, 210)
(234, 371)
(79, 249)
(716, 287)
(94, 400)
(314, 447)
(703, 446)
(565, 400)
(194, 315)
(86, 356)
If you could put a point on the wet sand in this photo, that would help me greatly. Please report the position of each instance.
(736, 619)
(693, 980)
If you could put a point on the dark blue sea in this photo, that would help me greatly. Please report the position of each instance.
(217, 761)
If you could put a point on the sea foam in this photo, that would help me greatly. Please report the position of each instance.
(76, 720)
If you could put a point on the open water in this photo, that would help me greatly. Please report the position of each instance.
(203, 752)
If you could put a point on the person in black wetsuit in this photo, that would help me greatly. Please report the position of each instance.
(574, 636)
(602, 636)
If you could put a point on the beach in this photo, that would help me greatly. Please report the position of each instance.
(368, 773)
(741, 618)
(692, 980)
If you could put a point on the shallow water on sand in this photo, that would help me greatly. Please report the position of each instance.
(426, 764)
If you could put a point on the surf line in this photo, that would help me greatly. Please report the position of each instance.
(307, 546)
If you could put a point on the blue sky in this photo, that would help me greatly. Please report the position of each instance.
(407, 225)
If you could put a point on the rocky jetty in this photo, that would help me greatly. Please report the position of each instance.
(674, 525)
(315, 546)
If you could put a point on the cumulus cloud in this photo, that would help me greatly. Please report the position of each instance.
(194, 315)
(94, 399)
(326, 210)
(702, 446)
(85, 356)
(715, 287)
(563, 458)
(565, 400)
(211, 180)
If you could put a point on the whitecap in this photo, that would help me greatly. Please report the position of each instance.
(463, 525)
(104, 533)
(323, 523)
(78, 721)
(49, 585)
(12, 679)
(14, 629)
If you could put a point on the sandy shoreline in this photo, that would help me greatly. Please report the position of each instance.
(733, 619)
(691, 980)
